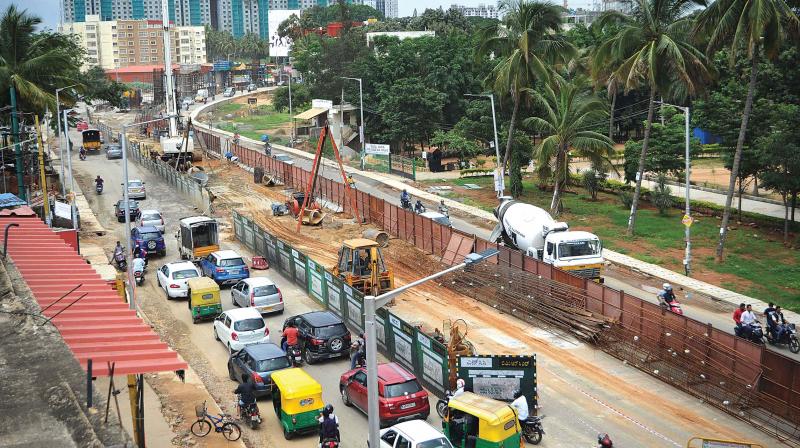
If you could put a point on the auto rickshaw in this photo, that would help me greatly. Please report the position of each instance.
(475, 421)
(203, 295)
(297, 399)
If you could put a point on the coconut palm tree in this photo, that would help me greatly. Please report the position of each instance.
(527, 45)
(568, 113)
(754, 27)
(651, 50)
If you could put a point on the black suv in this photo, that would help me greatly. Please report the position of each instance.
(119, 210)
(322, 335)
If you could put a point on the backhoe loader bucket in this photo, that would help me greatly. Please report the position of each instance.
(312, 217)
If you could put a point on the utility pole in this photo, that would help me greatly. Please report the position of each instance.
(42, 174)
(20, 168)
(362, 130)
(168, 88)
(499, 171)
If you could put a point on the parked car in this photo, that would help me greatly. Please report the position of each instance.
(322, 335)
(229, 92)
(283, 158)
(413, 433)
(172, 277)
(224, 266)
(136, 189)
(119, 210)
(240, 327)
(251, 87)
(187, 102)
(400, 396)
(113, 152)
(151, 218)
(255, 364)
(258, 292)
(149, 238)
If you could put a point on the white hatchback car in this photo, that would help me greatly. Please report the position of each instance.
(172, 277)
(151, 218)
(239, 327)
(413, 433)
(258, 292)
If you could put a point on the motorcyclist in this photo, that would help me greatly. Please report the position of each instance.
(405, 198)
(236, 138)
(247, 394)
(328, 425)
(604, 441)
(666, 294)
(460, 383)
(520, 404)
(139, 265)
(443, 208)
(118, 249)
(98, 181)
(748, 318)
(289, 336)
(140, 252)
(359, 351)
(769, 315)
(83, 154)
(418, 207)
(780, 324)
(351, 182)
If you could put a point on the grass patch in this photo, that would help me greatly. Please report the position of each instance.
(228, 108)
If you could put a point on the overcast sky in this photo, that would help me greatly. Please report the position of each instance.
(48, 10)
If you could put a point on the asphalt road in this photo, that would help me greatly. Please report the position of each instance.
(577, 406)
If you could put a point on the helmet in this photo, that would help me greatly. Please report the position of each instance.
(517, 394)
(328, 409)
(667, 287)
(460, 383)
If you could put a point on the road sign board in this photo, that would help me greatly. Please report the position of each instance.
(252, 100)
(374, 148)
(498, 376)
(687, 220)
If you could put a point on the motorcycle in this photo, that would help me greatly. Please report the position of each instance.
(248, 413)
(406, 204)
(672, 307)
(753, 333)
(82, 155)
(788, 337)
(294, 353)
(99, 188)
(361, 361)
(138, 271)
(532, 429)
(120, 260)
(441, 405)
(329, 443)
(419, 209)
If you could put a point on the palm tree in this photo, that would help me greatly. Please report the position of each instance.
(753, 26)
(527, 44)
(568, 113)
(651, 50)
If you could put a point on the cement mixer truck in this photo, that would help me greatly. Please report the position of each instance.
(533, 231)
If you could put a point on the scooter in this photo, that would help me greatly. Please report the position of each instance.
(532, 429)
(752, 332)
(138, 271)
(121, 261)
(672, 307)
(98, 188)
(82, 155)
(294, 353)
(248, 413)
(329, 443)
(406, 204)
(788, 337)
(441, 405)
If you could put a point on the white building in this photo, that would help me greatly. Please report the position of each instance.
(189, 45)
(485, 11)
(98, 38)
(390, 9)
(182, 12)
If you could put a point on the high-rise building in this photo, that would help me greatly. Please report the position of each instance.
(485, 11)
(389, 9)
(125, 43)
(181, 12)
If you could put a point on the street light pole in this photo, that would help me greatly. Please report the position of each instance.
(371, 305)
(363, 128)
(687, 155)
(280, 76)
(61, 139)
(501, 173)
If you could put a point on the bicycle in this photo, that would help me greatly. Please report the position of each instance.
(221, 423)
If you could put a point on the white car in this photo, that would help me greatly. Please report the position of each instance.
(239, 327)
(437, 217)
(283, 158)
(172, 277)
(413, 433)
(151, 218)
(136, 189)
(258, 292)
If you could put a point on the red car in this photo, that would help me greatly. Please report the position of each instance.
(400, 394)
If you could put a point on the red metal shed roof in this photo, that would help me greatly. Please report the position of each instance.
(100, 326)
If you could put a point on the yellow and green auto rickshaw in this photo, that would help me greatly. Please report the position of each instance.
(297, 399)
(475, 421)
(203, 295)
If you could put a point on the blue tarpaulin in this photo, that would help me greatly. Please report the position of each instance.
(8, 200)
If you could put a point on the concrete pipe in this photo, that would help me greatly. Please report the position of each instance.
(381, 237)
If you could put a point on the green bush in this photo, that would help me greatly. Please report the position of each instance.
(626, 198)
(591, 183)
(661, 197)
(477, 171)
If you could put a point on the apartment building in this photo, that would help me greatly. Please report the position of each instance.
(485, 11)
(98, 38)
(181, 12)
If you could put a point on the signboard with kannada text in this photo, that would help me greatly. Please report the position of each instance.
(498, 376)
(374, 148)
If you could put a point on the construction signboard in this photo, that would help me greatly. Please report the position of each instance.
(498, 376)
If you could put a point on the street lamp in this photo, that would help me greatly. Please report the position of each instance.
(371, 304)
(280, 76)
(688, 254)
(125, 198)
(362, 130)
(499, 170)
(60, 144)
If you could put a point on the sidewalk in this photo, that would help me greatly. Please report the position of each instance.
(398, 183)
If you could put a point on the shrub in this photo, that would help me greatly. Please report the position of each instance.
(626, 198)
(661, 196)
(591, 182)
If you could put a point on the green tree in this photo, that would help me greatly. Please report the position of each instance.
(753, 27)
(667, 148)
(662, 195)
(566, 112)
(652, 50)
(526, 44)
(251, 46)
(219, 44)
(453, 143)
(99, 87)
(301, 97)
(410, 110)
(591, 182)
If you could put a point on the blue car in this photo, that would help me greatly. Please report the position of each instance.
(255, 364)
(150, 238)
(224, 266)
